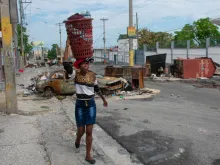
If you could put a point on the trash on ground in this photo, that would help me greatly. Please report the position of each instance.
(151, 91)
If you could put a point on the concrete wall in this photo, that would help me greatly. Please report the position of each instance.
(213, 53)
(123, 56)
(98, 55)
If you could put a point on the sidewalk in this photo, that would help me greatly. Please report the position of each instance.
(19, 141)
(2, 101)
(44, 139)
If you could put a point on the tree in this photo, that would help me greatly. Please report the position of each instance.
(52, 54)
(27, 45)
(150, 38)
(123, 36)
(197, 32)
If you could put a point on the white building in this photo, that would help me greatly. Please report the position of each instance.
(123, 49)
(123, 45)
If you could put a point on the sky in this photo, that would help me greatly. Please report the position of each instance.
(156, 15)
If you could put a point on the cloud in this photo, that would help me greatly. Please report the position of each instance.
(158, 15)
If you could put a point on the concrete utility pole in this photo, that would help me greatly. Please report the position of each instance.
(130, 24)
(104, 38)
(10, 85)
(14, 21)
(22, 37)
(60, 31)
(22, 46)
(137, 33)
(1, 71)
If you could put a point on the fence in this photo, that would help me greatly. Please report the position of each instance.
(189, 49)
(179, 49)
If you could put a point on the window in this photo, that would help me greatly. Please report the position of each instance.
(58, 75)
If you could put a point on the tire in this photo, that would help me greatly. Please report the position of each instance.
(48, 92)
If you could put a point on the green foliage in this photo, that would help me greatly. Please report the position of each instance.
(52, 54)
(197, 33)
(150, 38)
(28, 47)
(123, 36)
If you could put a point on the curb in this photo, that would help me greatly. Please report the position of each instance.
(105, 144)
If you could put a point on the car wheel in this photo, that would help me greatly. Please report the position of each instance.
(48, 92)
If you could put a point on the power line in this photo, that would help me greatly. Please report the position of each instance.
(97, 39)
(141, 3)
(148, 3)
(97, 27)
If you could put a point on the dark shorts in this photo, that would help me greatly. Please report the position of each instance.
(85, 112)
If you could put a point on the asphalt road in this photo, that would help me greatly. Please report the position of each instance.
(180, 126)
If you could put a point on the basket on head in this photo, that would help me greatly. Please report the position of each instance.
(79, 32)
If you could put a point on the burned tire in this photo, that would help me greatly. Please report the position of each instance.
(48, 92)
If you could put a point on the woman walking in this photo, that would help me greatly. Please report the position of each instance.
(85, 111)
(85, 108)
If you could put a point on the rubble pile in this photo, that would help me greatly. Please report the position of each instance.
(204, 83)
(217, 72)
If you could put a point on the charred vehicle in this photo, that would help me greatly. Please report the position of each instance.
(55, 82)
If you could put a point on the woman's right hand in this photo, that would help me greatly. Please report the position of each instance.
(67, 42)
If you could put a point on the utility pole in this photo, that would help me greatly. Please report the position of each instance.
(130, 39)
(104, 38)
(137, 30)
(13, 8)
(22, 46)
(1, 69)
(10, 85)
(22, 37)
(60, 31)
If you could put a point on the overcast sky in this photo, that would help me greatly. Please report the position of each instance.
(157, 15)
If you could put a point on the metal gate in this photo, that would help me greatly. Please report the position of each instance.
(139, 57)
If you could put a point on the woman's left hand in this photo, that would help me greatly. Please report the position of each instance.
(105, 103)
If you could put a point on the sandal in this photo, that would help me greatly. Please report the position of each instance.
(91, 161)
(77, 145)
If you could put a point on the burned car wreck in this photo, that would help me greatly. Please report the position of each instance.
(56, 82)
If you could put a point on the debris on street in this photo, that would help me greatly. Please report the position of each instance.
(217, 72)
(193, 68)
(155, 64)
(134, 74)
(151, 91)
(110, 85)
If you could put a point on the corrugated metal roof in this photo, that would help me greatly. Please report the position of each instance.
(216, 21)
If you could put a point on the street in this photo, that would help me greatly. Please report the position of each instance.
(178, 126)
(106, 83)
